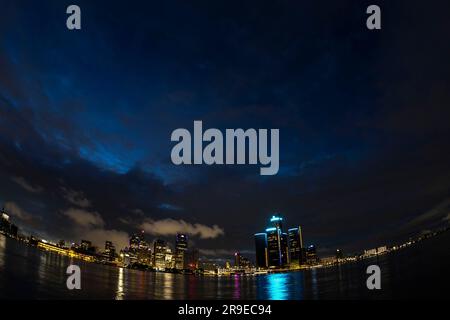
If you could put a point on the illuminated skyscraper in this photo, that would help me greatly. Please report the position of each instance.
(135, 240)
(244, 263)
(261, 250)
(169, 259)
(139, 250)
(276, 222)
(237, 259)
(339, 254)
(273, 247)
(284, 248)
(277, 243)
(110, 250)
(6, 226)
(159, 257)
(4, 215)
(296, 246)
(181, 246)
(311, 254)
(86, 245)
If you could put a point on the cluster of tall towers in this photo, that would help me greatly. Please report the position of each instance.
(275, 248)
(162, 257)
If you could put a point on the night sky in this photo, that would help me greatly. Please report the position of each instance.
(86, 118)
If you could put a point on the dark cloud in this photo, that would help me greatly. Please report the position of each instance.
(76, 198)
(24, 184)
(17, 212)
(170, 227)
(86, 117)
(84, 218)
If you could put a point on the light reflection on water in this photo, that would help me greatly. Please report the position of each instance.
(314, 283)
(237, 287)
(278, 286)
(168, 280)
(120, 285)
(2, 251)
(28, 273)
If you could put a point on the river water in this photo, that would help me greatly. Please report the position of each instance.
(420, 271)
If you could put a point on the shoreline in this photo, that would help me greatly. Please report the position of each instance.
(221, 272)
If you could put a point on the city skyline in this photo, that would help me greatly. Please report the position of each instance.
(86, 118)
(274, 250)
(135, 241)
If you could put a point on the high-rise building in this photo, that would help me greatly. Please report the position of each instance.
(6, 226)
(135, 241)
(241, 262)
(143, 245)
(276, 222)
(261, 250)
(284, 248)
(110, 250)
(181, 247)
(109, 246)
(296, 246)
(274, 247)
(210, 266)
(4, 222)
(244, 263)
(85, 245)
(144, 256)
(277, 243)
(139, 250)
(159, 259)
(311, 255)
(169, 259)
(5, 216)
(237, 259)
(339, 254)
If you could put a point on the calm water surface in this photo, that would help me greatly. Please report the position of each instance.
(422, 271)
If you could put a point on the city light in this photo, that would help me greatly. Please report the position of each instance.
(274, 218)
(275, 252)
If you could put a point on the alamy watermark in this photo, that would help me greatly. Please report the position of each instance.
(74, 279)
(73, 21)
(231, 151)
(374, 280)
